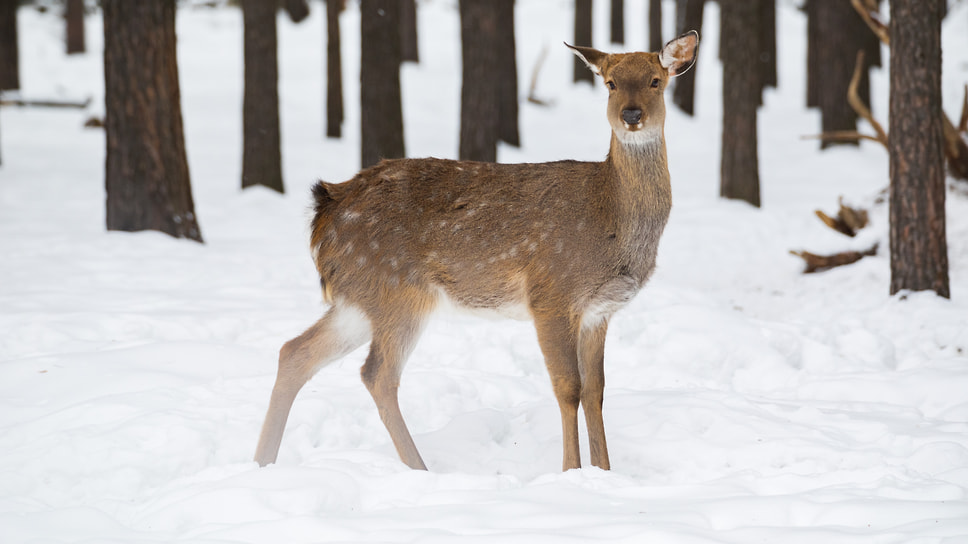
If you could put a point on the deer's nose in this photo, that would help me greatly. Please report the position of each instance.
(632, 116)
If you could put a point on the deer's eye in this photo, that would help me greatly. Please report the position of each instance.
(655, 83)
(610, 84)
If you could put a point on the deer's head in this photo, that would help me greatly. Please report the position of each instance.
(636, 81)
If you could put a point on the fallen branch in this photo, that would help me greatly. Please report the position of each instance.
(848, 220)
(51, 103)
(820, 263)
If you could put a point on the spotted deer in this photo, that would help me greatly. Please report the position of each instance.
(565, 244)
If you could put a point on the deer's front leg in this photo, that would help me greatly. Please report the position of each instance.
(591, 360)
(558, 338)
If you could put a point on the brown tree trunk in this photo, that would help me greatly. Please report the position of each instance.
(506, 78)
(740, 177)
(9, 51)
(298, 10)
(74, 15)
(408, 31)
(919, 258)
(835, 33)
(334, 71)
(618, 21)
(147, 181)
(479, 104)
(380, 100)
(583, 37)
(688, 17)
(261, 145)
(767, 40)
(655, 25)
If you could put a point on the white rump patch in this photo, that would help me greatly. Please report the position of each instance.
(612, 296)
(352, 323)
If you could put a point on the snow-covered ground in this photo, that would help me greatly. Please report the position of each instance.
(746, 402)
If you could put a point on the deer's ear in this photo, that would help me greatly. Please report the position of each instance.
(593, 58)
(679, 55)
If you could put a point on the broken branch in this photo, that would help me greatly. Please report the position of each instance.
(820, 263)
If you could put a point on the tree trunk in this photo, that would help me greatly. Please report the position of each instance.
(380, 101)
(147, 181)
(74, 15)
(408, 31)
(261, 146)
(506, 78)
(688, 17)
(583, 37)
(767, 40)
(919, 259)
(479, 107)
(740, 177)
(655, 25)
(298, 10)
(9, 51)
(618, 21)
(334, 71)
(835, 33)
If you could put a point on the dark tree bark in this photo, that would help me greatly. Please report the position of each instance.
(506, 76)
(618, 21)
(74, 15)
(9, 50)
(655, 25)
(298, 10)
(261, 146)
(767, 40)
(688, 17)
(740, 178)
(147, 181)
(479, 104)
(408, 31)
(835, 32)
(334, 71)
(380, 99)
(583, 37)
(919, 258)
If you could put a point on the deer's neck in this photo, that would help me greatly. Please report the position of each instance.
(640, 175)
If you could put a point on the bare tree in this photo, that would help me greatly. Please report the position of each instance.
(74, 15)
(334, 71)
(740, 178)
(506, 77)
(146, 171)
(688, 17)
(618, 21)
(655, 25)
(583, 37)
(919, 257)
(835, 32)
(298, 10)
(479, 100)
(380, 99)
(408, 31)
(261, 140)
(9, 50)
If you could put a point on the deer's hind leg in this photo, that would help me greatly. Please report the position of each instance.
(393, 340)
(340, 331)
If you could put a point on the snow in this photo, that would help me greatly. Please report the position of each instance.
(746, 402)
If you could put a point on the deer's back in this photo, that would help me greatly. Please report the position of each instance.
(490, 236)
